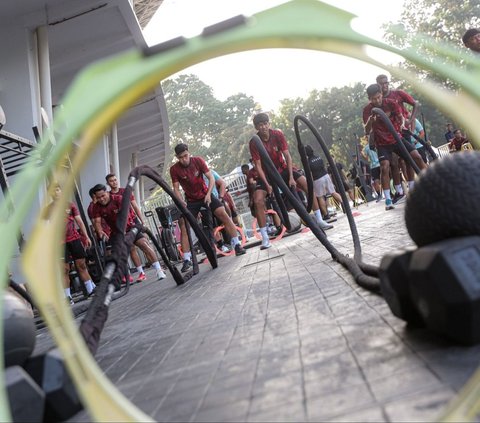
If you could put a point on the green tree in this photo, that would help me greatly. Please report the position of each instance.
(443, 21)
(216, 130)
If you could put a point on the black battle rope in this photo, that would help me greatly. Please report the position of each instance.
(22, 292)
(367, 282)
(306, 168)
(389, 125)
(281, 210)
(366, 268)
(425, 143)
(195, 269)
(177, 276)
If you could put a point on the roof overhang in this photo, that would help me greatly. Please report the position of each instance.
(81, 32)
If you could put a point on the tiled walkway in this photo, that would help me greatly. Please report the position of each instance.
(280, 335)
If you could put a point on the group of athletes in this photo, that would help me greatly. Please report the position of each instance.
(205, 195)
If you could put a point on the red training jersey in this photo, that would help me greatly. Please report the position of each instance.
(401, 97)
(191, 178)
(382, 135)
(110, 212)
(275, 146)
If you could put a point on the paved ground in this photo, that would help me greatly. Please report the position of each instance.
(280, 335)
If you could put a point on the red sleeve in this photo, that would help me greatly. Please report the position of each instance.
(95, 212)
(367, 110)
(74, 210)
(253, 151)
(407, 98)
(173, 174)
(202, 165)
(283, 141)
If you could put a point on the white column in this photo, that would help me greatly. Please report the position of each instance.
(44, 71)
(134, 164)
(115, 159)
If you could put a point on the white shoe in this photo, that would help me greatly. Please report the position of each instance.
(325, 226)
(161, 274)
(265, 246)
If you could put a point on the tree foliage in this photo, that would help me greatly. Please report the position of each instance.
(219, 130)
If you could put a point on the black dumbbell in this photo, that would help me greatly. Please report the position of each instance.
(49, 372)
(395, 286)
(26, 399)
(445, 287)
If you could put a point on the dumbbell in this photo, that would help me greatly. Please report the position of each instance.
(48, 370)
(439, 283)
(26, 399)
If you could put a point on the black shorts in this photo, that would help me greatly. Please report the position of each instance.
(196, 206)
(423, 154)
(385, 151)
(375, 171)
(74, 250)
(284, 174)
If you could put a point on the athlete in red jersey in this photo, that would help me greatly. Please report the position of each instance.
(384, 140)
(188, 173)
(74, 249)
(277, 148)
(107, 207)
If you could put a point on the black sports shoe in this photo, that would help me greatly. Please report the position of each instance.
(239, 250)
(398, 198)
(187, 264)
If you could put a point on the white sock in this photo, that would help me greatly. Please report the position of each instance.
(234, 241)
(399, 189)
(411, 184)
(386, 193)
(187, 255)
(156, 265)
(89, 285)
(67, 292)
(263, 232)
(140, 269)
(318, 216)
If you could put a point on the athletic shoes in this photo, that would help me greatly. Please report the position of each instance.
(224, 249)
(325, 226)
(160, 274)
(239, 250)
(398, 198)
(389, 204)
(187, 264)
(141, 277)
(70, 300)
(265, 246)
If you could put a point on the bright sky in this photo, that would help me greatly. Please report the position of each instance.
(301, 71)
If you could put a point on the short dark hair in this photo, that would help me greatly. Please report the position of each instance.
(109, 176)
(98, 187)
(308, 151)
(91, 193)
(381, 76)
(469, 33)
(373, 89)
(180, 148)
(259, 118)
(245, 166)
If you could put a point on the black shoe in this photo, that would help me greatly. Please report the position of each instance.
(187, 264)
(398, 198)
(278, 231)
(239, 250)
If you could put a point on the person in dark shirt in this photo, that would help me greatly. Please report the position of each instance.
(471, 39)
(449, 134)
(276, 146)
(457, 141)
(322, 183)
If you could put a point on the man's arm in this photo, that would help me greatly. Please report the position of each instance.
(221, 187)
(97, 224)
(261, 175)
(211, 184)
(178, 194)
(137, 211)
(288, 158)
